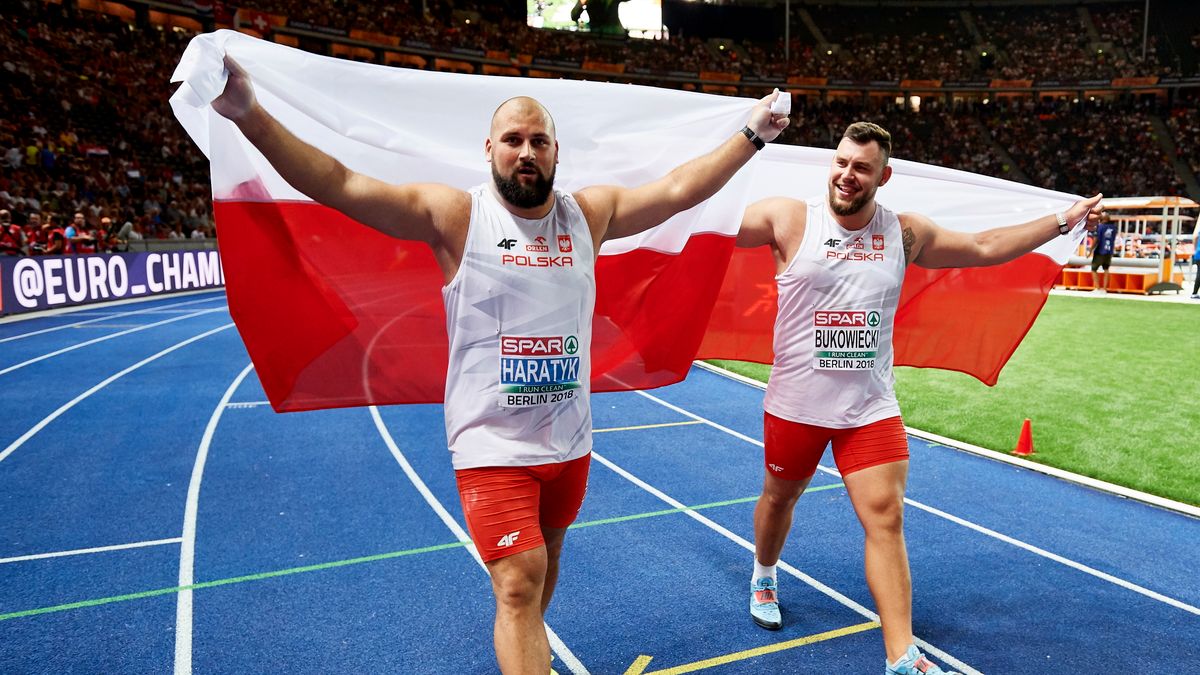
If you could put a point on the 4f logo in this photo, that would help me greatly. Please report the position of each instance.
(507, 244)
(508, 539)
(833, 243)
(775, 467)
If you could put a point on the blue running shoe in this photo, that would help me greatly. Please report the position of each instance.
(764, 604)
(914, 663)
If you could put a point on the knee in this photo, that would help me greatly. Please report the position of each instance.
(780, 499)
(884, 517)
(518, 588)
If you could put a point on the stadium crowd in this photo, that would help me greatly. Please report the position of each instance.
(85, 128)
(91, 156)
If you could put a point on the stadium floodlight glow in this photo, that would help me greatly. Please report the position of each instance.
(985, 101)
(828, 52)
(983, 54)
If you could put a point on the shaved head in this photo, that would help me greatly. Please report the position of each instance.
(521, 108)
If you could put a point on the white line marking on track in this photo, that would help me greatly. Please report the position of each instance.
(102, 338)
(1087, 481)
(238, 405)
(560, 648)
(187, 550)
(744, 543)
(1119, 490)
(12, 447)
(110, 315)
(83, 551)
(978, 528)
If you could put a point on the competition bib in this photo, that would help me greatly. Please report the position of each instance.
(538, 371)
(845, 340)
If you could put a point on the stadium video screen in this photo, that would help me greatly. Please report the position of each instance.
(640, 18)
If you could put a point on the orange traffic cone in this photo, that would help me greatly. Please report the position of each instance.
(1025, 441)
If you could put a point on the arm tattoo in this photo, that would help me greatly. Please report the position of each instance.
(907, 237)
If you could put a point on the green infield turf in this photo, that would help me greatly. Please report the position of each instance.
(1109, 384)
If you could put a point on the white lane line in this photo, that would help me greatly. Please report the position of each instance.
(102, 338)
(187, 551)
(84, 551)
(783, 565)
(973, 526)
(1095, 484)
(1086, 481)
(109, 315)
(12, 447)
(1059, 559)
(560, 648)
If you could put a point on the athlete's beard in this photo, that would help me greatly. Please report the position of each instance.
(855, 205)
(521, 196)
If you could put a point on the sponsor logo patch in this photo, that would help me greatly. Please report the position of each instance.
(845, 339)
(537, 370)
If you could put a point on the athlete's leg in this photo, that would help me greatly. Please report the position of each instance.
(877, 494)
(773, 516)
(554, 542)
(562, 496)
(519, 634)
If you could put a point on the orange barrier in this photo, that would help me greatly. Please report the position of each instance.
(453, 66)
(174, 21)
(339, 49)
(289, 40)
(489, 69)
(376, 38)
(1138, 281)
(116, 9)
(405, 60)
(603, 67)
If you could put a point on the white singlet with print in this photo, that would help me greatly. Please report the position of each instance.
(833, 332)
(519, 318)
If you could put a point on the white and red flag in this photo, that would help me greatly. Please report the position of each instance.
(336, 314)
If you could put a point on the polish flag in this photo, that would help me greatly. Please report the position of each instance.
(336, 314)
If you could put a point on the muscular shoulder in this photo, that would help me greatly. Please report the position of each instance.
(449, 208)
(776, 221)
(597, 203)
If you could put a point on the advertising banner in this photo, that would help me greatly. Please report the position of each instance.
(46, 282)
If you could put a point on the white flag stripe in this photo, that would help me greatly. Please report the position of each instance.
(403, 125)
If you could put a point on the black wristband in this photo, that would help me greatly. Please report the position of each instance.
(759, 144)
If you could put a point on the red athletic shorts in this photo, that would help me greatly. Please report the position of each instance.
(793, 449)
(506, 507)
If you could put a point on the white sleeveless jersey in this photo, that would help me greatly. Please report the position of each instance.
(519, 319)
(833, 332)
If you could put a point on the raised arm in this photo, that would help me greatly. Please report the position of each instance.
(928, 245)
(421, 212)
(614, 212)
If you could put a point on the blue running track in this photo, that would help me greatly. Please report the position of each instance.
(156, 516)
